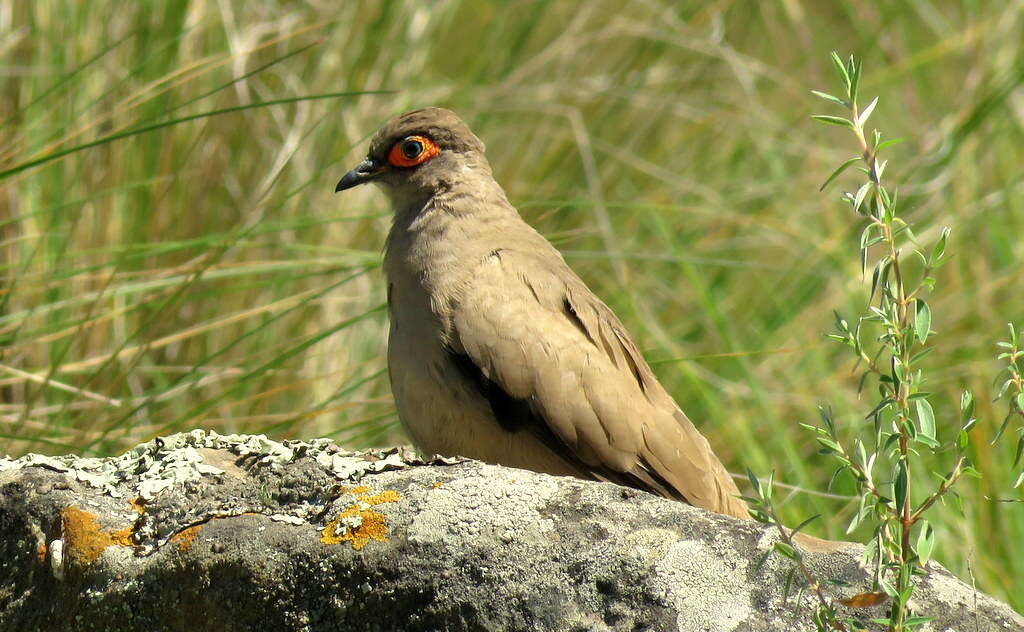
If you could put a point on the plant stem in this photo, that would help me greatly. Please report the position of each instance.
(901, 394)
(812, 583)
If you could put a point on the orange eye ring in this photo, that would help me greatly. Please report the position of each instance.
(412, 151)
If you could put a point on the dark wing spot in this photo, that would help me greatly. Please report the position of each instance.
(521, 415)
(513, 414)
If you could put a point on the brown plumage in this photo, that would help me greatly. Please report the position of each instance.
(497, 350)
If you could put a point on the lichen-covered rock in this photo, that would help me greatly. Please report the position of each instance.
(200, 531)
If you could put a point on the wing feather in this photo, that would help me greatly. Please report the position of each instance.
(538, 334)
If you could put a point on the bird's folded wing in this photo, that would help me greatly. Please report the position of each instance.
(535, 331)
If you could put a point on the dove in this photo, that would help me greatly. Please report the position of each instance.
(497, 350)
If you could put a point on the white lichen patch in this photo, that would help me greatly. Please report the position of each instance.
(91, 471)
(347, 524)
(495, 504)
(351, 466)
(176, 467)
(709, 593)
(289, 519)
(647, 546)
(165, 462)
(56, 549)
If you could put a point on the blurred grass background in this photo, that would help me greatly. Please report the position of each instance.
(202, 273)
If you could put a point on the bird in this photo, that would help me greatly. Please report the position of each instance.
(497, 350)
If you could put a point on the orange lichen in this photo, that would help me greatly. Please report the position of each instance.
(361, 489)
(185, 537)
(138, 505)
(123, 537)
(386, 496)
(84, 541)
(41, 551)
(359, 523)
(436, 484)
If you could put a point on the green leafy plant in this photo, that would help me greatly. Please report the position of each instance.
(1012, 390)
(888, 341)
(762, 509)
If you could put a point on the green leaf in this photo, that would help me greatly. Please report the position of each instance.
(926, 421)
(1002, 389)
(853, 68)
(880, 169)
(804, 524)
(862, 192)
(909, 429)
(786, 550)
(833, 120)
(829, 445)
(899, 485)
(754, 482)
(835, 475)
(923, 320)
(889, 588)
(881, 275)
(966, 408)
(788, 584)
(829, 97)
(843, 73)
(1020, 402)
(882, 405)
(858, 516)
(838, 171)
(1020, 479)
(1020, 450)
(920, 355)
(887, 144)
(925, 542)
(940, 247)
(826, 418)
(1002, 428)
(866, 112)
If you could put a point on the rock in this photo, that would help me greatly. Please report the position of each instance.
(203, 531)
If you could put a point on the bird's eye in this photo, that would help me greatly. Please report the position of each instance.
(412, 151)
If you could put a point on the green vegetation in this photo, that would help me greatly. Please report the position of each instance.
(888, 341)
(190, 265)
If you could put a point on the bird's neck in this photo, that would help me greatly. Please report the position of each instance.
(433, 239)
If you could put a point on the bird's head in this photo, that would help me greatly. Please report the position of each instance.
(417, 154)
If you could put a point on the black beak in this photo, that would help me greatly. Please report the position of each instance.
(364, 172)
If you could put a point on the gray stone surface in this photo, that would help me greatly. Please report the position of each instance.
(206, 532)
